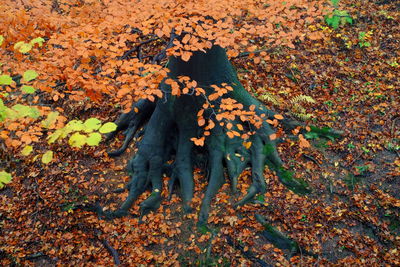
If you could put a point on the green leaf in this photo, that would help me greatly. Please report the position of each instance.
(77, 140)
(27, 89)
(311, 135)
(38, 40)
(5, 178)
(54, 136)
(3, 113)
(1, 39)
(93, 139)
(27, 150)
(335, 2)
(5, 80)
(30, 75)
(108, 127)
(75, 125)
(47, 157)
(51, 118)
(24, 111)
(349, 20)
(23, 47)
(335, 22)
(91, 125)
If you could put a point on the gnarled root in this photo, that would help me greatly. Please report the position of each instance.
(167, 138)
(130, 122)
(172, 122)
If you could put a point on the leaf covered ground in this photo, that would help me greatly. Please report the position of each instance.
(350, 218)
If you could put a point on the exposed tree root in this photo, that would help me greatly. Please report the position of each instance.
(279, 240)
(171, 122)
(247, 253)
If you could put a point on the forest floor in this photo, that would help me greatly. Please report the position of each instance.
(352, 216)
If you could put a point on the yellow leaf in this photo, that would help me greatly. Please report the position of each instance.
(247, 145)
(5, 178)
(47, 157)
(77, 140)
(27, 150)
(108, 127)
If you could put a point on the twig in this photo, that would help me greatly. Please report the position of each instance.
(393, 125)
(106, 244)
(112, 251)
(163, 54)
(312, 159)
(245, 54)
(35, 255)
(355, 159)
(136, 49)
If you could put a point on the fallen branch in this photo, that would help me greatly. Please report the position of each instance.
(112, 251)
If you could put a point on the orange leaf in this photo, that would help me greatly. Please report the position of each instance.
(186, 55)
(186, 39)
(247, 145)
(236, 133)
(198, 141)
(201, 121)
(296, 131)
(211, 125)
(230, 135)
(272, 136)
(303, 142)
(278, 116)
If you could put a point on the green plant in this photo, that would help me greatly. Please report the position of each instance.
(26, 47)
(362, 39)
(76, 127)
(394, 145)
(329, 103)
(362, 169)
(338, 17)
(393, 64)
(296, 107)
(351, 146)
(385, 14)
